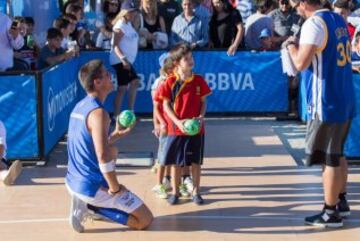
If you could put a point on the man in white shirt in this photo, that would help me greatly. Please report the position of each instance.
(10, 38)
(8, 173)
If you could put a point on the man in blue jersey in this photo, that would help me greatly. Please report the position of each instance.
(323, 56)
(91, 177)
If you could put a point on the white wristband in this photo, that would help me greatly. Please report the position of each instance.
(107, 167)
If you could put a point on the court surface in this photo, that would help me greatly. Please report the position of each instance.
(253, 182)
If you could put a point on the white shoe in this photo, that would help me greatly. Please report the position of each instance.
(183, 190)
(160, 191)
(78, 214)
(14, 171)
(188, 182)
(167, 184)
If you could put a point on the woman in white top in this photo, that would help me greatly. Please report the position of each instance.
(123, 54)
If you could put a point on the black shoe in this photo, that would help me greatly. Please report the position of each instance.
(173, 199)
(343, 208)
(324, 220)
(198, 199)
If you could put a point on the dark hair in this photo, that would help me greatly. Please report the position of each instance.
(89, 72)
(29, 20)
(343, 4)
(179, 51)
(312, 2)
(69, 16)
(106, 6)
(228, 8)
(61, 23)
(19, 19)
(263, 5)
(108, 21)
(53, 33)
(73, 8)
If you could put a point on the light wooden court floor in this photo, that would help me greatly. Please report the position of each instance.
(253, 187)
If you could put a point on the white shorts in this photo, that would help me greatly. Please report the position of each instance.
(127, 201)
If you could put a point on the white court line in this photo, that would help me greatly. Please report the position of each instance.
(52, 220)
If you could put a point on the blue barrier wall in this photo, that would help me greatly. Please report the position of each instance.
(18, 103)
(352, 145)
(60, 93)
(257, 86)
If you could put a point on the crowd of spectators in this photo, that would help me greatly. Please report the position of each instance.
(231, 25)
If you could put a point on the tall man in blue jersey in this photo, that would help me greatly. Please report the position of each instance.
(323, 54)
(91, 178)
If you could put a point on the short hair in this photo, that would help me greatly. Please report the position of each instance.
(61, 23)
(29, 20)
(179, 51)
(343, 4)
(264, 4)
(53, 33)
(311, 2)
(73, 8)
(19, 19)
(69, 16)
(89, 72)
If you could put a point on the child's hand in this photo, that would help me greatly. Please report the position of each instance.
(156, 130)
(180, 125)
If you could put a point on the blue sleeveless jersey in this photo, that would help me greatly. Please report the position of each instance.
(83, 175)
(328, 79)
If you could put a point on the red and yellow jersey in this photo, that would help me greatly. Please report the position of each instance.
(185, 99)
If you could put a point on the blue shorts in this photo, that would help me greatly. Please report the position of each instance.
(184, 150)
(161, 150)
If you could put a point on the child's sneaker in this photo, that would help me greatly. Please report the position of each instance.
(198, 199)
(160, 190)
(154, 168)
(173, 199)
(183, 190)
(189, 184)
(167, 184)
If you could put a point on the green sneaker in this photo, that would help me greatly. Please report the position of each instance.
(183, 190)
(160, 191)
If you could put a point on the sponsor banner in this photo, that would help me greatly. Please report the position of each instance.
(60, 87)
(247, 82)
(18, 102)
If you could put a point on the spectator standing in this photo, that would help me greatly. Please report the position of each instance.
(150, 22)
(52, 53)
(169, 9)
(226, 28)
(343, 7)
(123, 54)
(189, 28)
(284, 18)
(256, 23)
(10, 38)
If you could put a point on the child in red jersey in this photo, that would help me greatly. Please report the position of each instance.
(184, 97)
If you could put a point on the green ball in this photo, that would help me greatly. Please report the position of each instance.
(192, 127)
(126, 118)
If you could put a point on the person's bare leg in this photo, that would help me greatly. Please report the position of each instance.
(118, 99)
(141, 218)
(133, 86)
